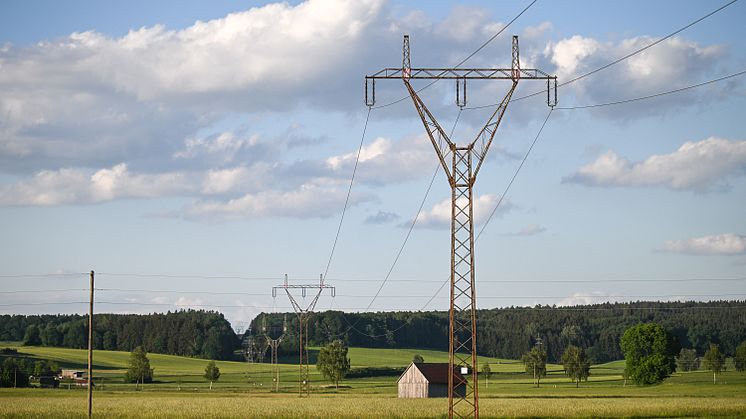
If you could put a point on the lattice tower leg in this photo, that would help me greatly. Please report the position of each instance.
(462, 343)
(304, 384)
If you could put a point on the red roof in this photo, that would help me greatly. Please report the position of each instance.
(437, 373)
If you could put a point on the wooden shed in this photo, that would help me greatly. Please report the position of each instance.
(422, 380)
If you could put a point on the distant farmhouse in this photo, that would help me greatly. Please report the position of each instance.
(423, 380)
(73, 374)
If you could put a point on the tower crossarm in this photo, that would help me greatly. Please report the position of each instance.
(460, 74)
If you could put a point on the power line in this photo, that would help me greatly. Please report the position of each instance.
(349, 191)
(618, 60)
(502, 197)
(36, 291)
(406, 238)
(515, 174)
(619, 102)
(43, 275)
(188, 276)
(414, 220)
(400, 309)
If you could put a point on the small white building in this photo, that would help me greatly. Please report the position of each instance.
(74, 374)
(423, 380)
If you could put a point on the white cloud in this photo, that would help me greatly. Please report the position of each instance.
(533, 32)
(586, 298)
(531, 230)
(92, 100)
(382, 217)
(268, 44)
(73, 186)
(384, 161)
(462, 24)
(439, 216)
(719, 244)
(307, 201)
(224, 145)
(674, 63)
(185, 302)
(77, 186)
(700, 166)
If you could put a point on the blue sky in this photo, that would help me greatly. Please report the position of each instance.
(208, 146)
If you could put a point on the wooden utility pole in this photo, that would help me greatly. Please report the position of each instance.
(90, 351)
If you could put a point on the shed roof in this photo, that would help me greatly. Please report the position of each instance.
(437, 373)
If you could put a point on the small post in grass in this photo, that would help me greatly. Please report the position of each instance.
(90, 351)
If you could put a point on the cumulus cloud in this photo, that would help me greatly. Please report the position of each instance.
(585, 298)
(674, 63)
(719, 244)
(71, 186)
(439, 216)
(385, 161)
(77, 186)
(93, 100)
(382, 217)
(531, 230)
(699, 166)
(307, 201)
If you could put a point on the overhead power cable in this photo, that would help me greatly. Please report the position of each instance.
(620, 59)
(499, 202)
(652, 305)
(349, 191)
(682, 89)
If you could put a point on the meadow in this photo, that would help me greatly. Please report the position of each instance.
(246, 390)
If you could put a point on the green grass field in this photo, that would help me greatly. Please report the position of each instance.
(245, 390)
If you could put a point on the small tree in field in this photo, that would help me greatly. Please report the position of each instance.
(139, 370)
(714, 360)
(648, 353)
(576, 363)
(333, 362)
(535, 362)
(740, 358)
(486, 370)
(212, 373)
(687, 360)
(418, 359)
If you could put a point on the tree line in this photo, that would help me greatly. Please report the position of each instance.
(511, 332)
(194, 333)
(501, 332)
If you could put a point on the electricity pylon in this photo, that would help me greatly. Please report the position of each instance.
(303, 313)
(274, 344)
(461, 169)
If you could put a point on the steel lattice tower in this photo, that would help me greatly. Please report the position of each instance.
(461, 165)
(274, 344)
(304, 314)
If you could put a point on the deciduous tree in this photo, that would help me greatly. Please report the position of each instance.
(687, 360)
(714, 360)
(535, 362)
(139, 370)
(648, 352)
(212, 372)
(740, 358)
(486, 370)
(576, 363)
(333, 362)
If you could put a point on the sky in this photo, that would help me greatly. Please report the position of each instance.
(193, 153)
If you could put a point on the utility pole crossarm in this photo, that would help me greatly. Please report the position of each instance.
(461, 73)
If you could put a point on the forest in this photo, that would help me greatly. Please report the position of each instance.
(501, 332)
(195, 333)
(510, 332)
